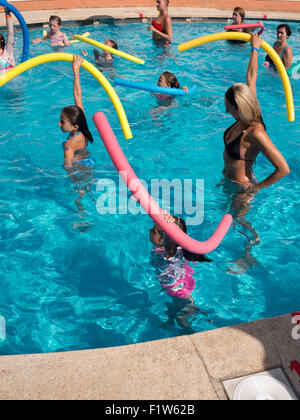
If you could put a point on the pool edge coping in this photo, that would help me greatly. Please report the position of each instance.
(189, 367)
(35, 18)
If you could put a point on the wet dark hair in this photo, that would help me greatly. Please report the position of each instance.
(2, 41)
(171, 79)
(76, 116)
(114, 44)
(57, 18)
(286, 27)
(190, 256)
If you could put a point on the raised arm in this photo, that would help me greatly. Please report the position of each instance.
(251, 76)
(77, 61)
(10, 33)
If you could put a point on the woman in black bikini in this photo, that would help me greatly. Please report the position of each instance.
(247, 137)
(244, 140)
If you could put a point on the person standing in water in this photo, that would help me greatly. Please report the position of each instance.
(7, 60)
(161, 27)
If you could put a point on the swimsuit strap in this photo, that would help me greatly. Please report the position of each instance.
(74, 135)
(283, 51)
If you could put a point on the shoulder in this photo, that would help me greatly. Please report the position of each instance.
(257, 133)
(258, 130)
(261, 139)
(168, 19)
(73, 141)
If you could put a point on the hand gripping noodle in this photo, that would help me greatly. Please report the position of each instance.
(48, 58)
(154, 88)
(24, 28)
(266, 47)
(109, 49)
(247, 25)
(145, 199)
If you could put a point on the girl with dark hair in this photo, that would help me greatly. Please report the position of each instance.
(162, 26)
(168, 79)
(175, 274)
(169, 247)
(106, 57)
(7, 61)
(282, 48)
(73, 121)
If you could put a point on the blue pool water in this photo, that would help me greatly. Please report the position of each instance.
(72, 278)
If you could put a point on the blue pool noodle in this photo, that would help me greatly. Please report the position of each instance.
(153, 88)
(23, 25)
(294, 69)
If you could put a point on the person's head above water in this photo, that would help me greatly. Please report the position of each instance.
(160, 239)
(238, 15)
(72, 120)
(168, 79)
(283, 32)
(2, 42)
(162, 5)
(55, 23)
(242, 104)
(111, 43)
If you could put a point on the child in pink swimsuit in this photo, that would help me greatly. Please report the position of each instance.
(7, 60)
(56, 37)
(175, 274)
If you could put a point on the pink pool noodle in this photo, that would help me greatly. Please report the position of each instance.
(247, 25)
(147, 202)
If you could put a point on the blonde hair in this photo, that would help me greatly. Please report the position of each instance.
(248, 106)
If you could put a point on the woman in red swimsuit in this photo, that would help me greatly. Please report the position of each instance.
(162, 26)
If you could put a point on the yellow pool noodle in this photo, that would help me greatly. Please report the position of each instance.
(109, 49)
(48, 58)
(265, 46)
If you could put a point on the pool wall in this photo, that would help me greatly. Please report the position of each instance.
(36, 17)
(263, 5)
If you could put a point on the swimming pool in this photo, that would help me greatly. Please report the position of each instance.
(72, 278)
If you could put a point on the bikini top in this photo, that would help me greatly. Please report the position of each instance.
(157, 26)
(269, 59)
(233, 148)
(57, 41)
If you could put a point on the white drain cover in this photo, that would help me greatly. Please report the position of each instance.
(261, 387)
